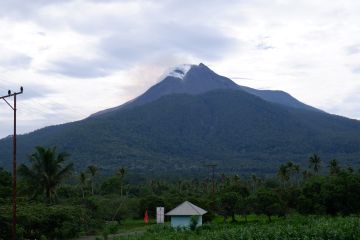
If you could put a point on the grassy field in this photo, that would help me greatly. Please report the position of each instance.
(294, 227)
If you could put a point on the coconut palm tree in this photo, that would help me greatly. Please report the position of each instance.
(292, 170)
(315, 162)
(92, 170)
(254, 181)
(283, 173)
(296, 171)
(121, 173)
(334, 167)
(46, 172)
(306, 174)
(82, 178)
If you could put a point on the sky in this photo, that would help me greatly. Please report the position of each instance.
(75, 58)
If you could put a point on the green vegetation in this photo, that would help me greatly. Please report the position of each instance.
(46, 172)
(54, 202)
(293, 228)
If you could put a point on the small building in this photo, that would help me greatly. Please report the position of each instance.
(181, 215)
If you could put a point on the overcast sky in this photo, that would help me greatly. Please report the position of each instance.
(75, 58)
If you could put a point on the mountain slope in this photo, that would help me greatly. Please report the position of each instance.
(197, 79)
(238, 130)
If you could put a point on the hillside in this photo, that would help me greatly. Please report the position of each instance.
(240, 131)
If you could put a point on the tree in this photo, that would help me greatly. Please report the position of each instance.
(228, 204)
(286, 171)
(46, 172)
(315, 162)
(255, 182)
(334, 167)
(296, 171)
(243, 206)
(82, 178)
(92, 170)
(5, 183)
(283, 173)
(306, 174)
(121, 173)
(268, 203)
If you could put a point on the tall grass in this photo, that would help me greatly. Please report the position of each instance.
(296, 227)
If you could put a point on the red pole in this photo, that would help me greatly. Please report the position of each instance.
(14, 174)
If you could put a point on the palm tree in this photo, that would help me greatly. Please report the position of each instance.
(82, 179)
(254, 180)
(283, 173)
(121, 173)
(306, 174)
(92, 170)
(296, 171)
(46, 172)
(292, 170)
(334, 167)
(315, 161)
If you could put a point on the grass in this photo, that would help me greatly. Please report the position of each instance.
(257, 228)
(250, 219)
(131, 225)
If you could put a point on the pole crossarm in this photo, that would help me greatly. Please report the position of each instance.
(12, 94)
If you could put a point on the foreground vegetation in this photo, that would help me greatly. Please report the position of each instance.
(295, 227)
(54, 202)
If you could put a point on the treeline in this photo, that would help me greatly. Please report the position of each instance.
(56, 202)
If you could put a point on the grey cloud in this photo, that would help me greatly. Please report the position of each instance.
(264, 46)
(16, 61)
(131, 41)
(354, 49)
(356, 69)
(349, 107)
(34, 90)
(199, 41)
(80, 68)
(122, 50)
(19, 9)
(31, 90)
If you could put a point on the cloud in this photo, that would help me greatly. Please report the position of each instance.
(264, 46)
(79, 68)
(14, 60)
(22, 10)
(353, 49)
(170, 38)
(54, 48)
(356, 69)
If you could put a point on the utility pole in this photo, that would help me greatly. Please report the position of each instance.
(13, 107)
(212, 167)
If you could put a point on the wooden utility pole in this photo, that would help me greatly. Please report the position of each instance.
(212, 167)
(13, 107)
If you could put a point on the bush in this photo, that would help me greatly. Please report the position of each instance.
(53, 222)
(194, 222)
